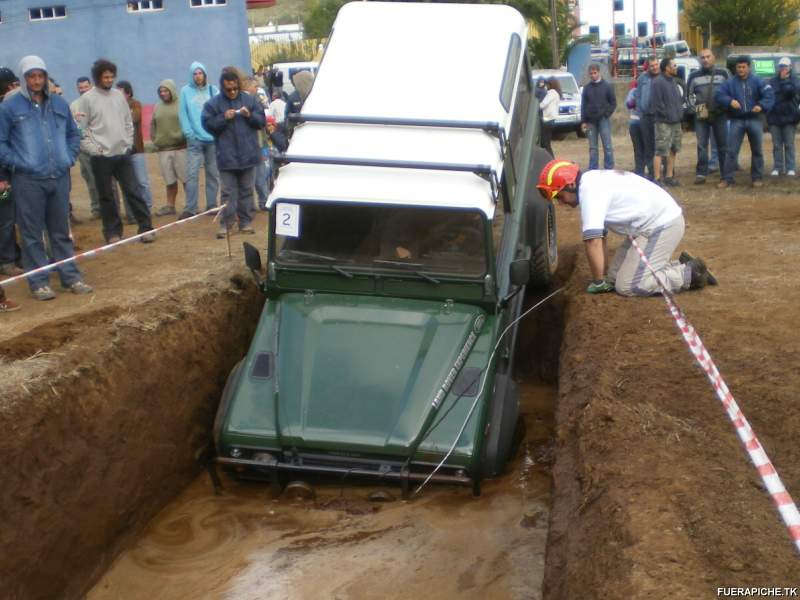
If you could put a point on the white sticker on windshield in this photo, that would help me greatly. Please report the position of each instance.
(287, 220)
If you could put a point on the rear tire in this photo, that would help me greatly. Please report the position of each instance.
(541, 226)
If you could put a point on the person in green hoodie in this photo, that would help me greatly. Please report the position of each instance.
(168, 138)
(199, 142)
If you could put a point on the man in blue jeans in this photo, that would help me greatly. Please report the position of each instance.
(710, 121)
(39, 142)
(598, 103)
(745, 97)
(199, 142)
(783, 118)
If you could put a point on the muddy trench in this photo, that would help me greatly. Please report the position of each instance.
(108, 500)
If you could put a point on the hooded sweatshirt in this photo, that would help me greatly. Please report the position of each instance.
(165, 127)
(106, 122)
(39, 140)
(191, 106)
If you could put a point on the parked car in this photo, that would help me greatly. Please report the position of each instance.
(569, 107)
(401, 238)
(677, 48)
(764, 64)
(290, 69)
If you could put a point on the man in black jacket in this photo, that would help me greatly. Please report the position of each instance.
(667, 104)
(709, 118)
(234, 119)
(598, 103)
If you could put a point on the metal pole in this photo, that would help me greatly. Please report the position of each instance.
(654, 27)
(613, 40)
(554, 34)
(635, 38)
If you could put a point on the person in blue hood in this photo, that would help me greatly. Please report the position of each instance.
(39, 142)
(199, 142)
(745, 96)
(783, 118)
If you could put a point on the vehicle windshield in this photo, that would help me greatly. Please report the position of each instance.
(568, 85)
(351, 237)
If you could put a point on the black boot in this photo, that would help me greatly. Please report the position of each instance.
(685, 257)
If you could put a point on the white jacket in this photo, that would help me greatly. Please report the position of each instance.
(549, 106)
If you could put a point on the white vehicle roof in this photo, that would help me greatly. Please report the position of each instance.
(371, 68)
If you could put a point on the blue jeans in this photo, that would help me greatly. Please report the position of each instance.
(45, 209)
(635, 129)
(783, 147)
(603, 129)
(140, 168)
(262, 183)
(715, 130)
(201, 154)
(738, 129)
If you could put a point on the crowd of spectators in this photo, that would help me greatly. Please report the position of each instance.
(231, 131)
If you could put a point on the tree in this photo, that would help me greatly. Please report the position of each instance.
(321, 17)
(745, 22)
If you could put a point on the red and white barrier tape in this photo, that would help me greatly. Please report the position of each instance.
(100, 249)
(769, 475)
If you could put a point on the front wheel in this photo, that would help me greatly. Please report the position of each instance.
(541, 226)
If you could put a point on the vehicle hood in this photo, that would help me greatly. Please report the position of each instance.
(362, 372)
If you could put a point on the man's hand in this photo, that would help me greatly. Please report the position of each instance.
(584, 127)
(229, 114)
(735, 105)
(757, 108)
(4, 185)
(600, 287)
(244, 112)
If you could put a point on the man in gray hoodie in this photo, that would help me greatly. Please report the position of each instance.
(38, 144)
(107, 124)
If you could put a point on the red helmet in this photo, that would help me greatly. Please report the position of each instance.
(556, 175)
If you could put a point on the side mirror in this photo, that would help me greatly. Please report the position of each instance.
(520, 271)
(252, 258)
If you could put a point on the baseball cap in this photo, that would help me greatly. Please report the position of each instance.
(785, 62)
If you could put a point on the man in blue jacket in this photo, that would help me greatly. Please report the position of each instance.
(234, 119)
(199, 142)
(39, 142)
(598, 103)
(745, 96)
(783, 118)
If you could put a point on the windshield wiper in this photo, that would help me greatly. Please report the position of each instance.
(409, 265)
(308, 254)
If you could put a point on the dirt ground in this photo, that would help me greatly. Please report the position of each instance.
(653, 496)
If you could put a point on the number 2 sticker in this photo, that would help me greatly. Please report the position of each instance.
(287, 220)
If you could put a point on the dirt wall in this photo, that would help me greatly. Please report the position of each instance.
(102, 416)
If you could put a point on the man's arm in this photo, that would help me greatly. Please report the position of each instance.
(213, 121)
(767, 100)
(6, 153)
(723, 95)
(257, 119)
(183, 116)
(595, 254)
(127, 121)
(611, 98)
(73, 139)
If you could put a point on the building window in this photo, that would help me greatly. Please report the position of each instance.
(206, 3)
(47, 13)
(145, 5)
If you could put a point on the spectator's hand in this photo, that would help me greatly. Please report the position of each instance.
(229, 114)
(757, 109)
(735, 105)
(244, 112)
(584, 127)
(4, 185)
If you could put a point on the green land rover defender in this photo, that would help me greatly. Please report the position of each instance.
(404, 227)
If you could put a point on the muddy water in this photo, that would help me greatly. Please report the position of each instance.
(245, 545)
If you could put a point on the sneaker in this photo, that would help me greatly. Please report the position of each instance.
(700, 180)
(7, 305)
(130, 220)
(148, 238)
(165, 210)
(712, 169)
(248, 229)
(658, 182)
(758, 183)
(723, 184)
(790, 173)
(775, 173)
(75, 220)
(113, 239)
(685, 257)
(699, 274)
(185, 215)
(10, 270)
(263, 208)
(222, 233)
(79, 288)
(95, 215)
(671, 182)
(43, 293)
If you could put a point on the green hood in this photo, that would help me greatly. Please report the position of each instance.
(353, 373)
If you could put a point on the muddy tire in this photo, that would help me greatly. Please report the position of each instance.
(541, 226)
(224, 401)
(499, 442)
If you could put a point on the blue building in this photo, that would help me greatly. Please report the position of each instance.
(149, 40)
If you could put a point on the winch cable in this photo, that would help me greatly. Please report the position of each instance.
(480, 389)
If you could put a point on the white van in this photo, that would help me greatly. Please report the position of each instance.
(677, 48)
(569, 107)
(290, 68)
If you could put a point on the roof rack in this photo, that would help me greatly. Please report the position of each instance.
(490, 127)
(483, 171)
